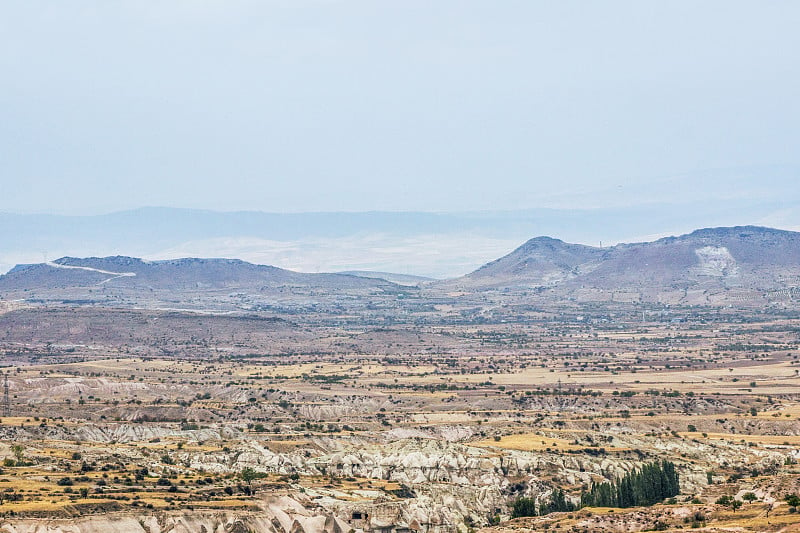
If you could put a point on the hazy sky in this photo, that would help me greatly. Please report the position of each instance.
(365, 105)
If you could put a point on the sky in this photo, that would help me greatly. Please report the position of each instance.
(329, 105)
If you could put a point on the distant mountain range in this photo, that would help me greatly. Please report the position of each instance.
(189, 274)
(746, 254)
(708, 266)
(705, 266)
(436, 245)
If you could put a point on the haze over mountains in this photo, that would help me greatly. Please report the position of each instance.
(713, 266)
(438, 245)
(742, 255)
(706, 266)
(171, 274)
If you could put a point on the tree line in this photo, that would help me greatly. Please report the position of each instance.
(649, 484)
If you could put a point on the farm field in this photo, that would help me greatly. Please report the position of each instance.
(492, 413)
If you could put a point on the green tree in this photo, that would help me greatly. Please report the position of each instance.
(749, 497)
(248, 475)
(523, 507)
(557, 503)
(19, 451)
(723, 500)
(649, 484)
(793, 500)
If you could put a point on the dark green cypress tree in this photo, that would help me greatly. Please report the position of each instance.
(523, 507)
(649, 484)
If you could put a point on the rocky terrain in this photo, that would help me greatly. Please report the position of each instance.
(218, 395)
(715, 266)
(275, 515)
(748, 265)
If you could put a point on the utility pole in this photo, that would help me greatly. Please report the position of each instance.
(6, 400)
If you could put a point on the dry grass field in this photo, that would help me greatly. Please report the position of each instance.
(410, 422)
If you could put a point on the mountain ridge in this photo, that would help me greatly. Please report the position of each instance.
(689, 268)
(376, 240)
(167, 274)
(708, 265)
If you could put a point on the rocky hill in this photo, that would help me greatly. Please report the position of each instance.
(705, 266)
(207, 285)
(716, 266)
(540, 261)
(177, 274)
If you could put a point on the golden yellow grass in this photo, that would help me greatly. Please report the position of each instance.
(326, 369)
(283, 446)
(752, 517)
(792, 440)
(36, 505)
(770, 378)
(225, 504)
(790, 409)
(28, 421)
(18, 483)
